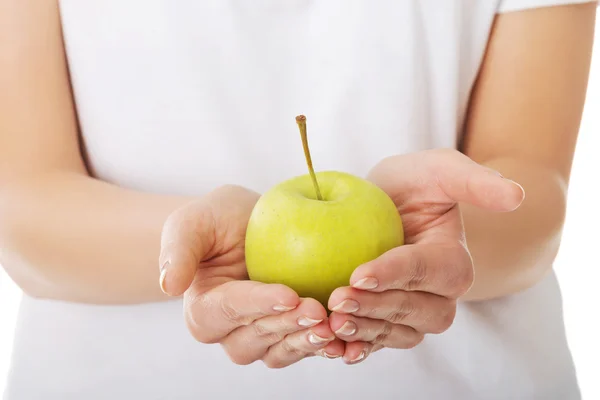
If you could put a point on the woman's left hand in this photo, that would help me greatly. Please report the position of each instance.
(412, 290)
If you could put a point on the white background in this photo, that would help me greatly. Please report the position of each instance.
(577, 264)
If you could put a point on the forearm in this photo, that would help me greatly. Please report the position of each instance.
(513, 251)
(70, 237)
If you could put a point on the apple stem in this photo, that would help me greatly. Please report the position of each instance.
(301, 121)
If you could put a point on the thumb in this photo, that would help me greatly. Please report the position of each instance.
(188, 236)
(443, 176)
(465, 181)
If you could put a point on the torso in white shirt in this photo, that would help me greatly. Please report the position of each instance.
(183, 96)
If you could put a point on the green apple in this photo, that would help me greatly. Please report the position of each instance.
(312, 231)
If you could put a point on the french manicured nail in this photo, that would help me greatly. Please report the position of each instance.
(517, 184)
(359, 358)
(282, 308)
(325, 354)
(163, 275)
(366, 284)
(347, 306)
(349, 328)
(318, 340)
(306, 322)
(522, 198)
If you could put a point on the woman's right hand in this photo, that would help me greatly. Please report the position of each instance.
(202, 257)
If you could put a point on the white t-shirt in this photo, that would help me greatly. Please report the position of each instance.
(183, 96)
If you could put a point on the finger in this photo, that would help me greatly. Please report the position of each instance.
(357, 352)
(212, 315)
(249, 343)
(335, 349)
(425, 312)
(186, 238)
(200, 230)
(299, 345)
(446, 270)
(378, 332)
(446, 176)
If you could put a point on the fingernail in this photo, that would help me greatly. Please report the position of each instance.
(282, 308)
(366, 284)
(306, 322)
(359, 358)
(517, 184)
(349, 328)
(522, 197)
(347, 306)
(317, 340)
(325, 354)
(163, 275)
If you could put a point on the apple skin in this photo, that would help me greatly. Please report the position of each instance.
(313, 246)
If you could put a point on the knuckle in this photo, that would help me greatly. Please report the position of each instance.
(290, 349)
(459, 272)
(200, 333)
(417, 272)
(203, 337)
(463, 281)
(207, 338)
(448, 319)
(384, 334)
(445, 321)
(401, 313)
(467, 279)
(229, 312)
(238, 357)
(274, 363)
(265, 334)
(195, 315)
(396, 317)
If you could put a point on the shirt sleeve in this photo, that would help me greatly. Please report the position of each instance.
(517, 5)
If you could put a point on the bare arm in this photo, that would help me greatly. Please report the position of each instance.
(523, 121)
(63, 235)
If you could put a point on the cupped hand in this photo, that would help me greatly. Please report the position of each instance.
(412, 290)
(202, 257)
